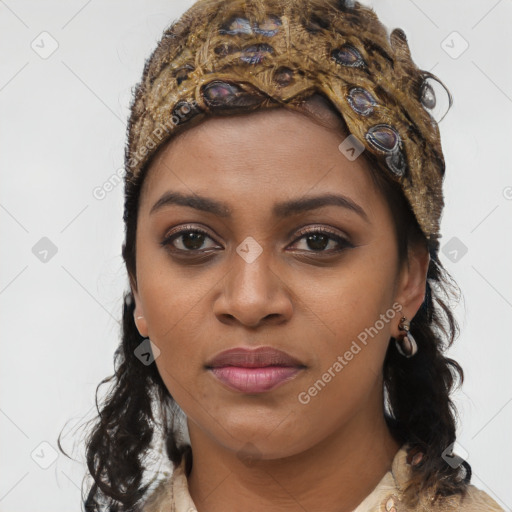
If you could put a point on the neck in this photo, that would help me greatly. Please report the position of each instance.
(335, 474)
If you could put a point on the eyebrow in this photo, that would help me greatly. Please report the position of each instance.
(282, 209)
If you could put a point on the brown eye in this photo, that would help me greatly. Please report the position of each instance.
(317, 240)
(187, 240)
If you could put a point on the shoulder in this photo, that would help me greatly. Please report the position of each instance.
(160, 497)
(170, 494)
(475, 500)
(472, 500)
(389, 498)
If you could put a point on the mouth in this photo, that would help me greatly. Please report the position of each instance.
(254, 380)
(254, 370)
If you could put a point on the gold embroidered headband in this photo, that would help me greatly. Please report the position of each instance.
(226, 56)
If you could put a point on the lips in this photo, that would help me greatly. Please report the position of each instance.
(254, 370)
(253, 358)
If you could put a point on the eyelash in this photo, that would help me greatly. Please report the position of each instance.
(167, 242)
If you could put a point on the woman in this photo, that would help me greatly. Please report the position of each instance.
(285, 325)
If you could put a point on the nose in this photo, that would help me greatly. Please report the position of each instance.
(253, 293)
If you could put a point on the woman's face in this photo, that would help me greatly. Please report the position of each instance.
(240, 267)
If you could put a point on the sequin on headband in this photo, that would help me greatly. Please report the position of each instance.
(361, 101)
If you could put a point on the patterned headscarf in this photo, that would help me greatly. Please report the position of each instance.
(226, 56)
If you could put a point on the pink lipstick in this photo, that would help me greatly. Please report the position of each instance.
(254, 370)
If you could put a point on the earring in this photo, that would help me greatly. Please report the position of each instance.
(405, 343)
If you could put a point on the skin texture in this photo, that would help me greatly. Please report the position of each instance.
(312, 302)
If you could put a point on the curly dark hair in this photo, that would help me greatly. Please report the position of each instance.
(418, 408)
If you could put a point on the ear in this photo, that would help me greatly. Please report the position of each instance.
(412, 281)
(138, 313)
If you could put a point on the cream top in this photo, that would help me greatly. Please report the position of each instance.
(172, 494)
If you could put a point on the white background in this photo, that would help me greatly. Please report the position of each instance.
(62, 134)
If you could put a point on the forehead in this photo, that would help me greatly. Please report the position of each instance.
(270, 153)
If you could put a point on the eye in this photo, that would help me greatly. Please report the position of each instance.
(191, 239)
(318, 239)
(188, 239)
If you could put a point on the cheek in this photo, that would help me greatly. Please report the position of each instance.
(177, 327)
(352, 295)
(173, 303)
(177, 323)
(350, 315)
(170, 293)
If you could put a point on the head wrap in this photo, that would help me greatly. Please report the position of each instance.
(226, 56)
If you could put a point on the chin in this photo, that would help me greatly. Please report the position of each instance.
(264, 437)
